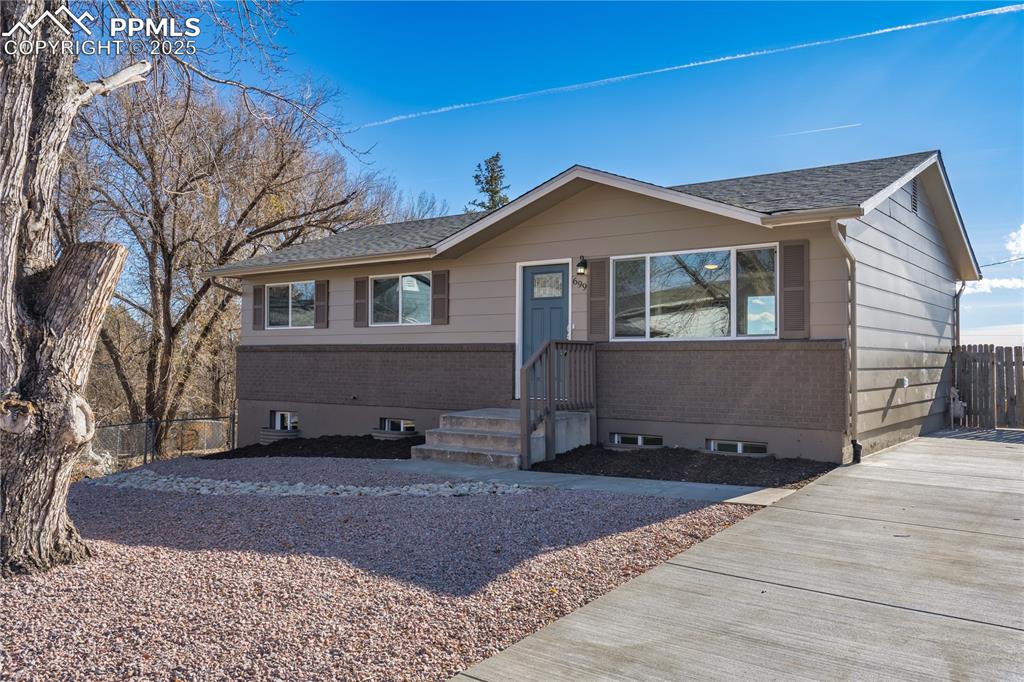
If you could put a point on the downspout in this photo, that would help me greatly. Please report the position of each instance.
(956, 351)
(852, 357)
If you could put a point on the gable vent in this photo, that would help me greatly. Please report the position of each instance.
(913, 195)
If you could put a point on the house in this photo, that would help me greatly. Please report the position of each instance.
(718, 315)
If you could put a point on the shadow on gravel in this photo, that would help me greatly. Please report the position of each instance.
(449, 545)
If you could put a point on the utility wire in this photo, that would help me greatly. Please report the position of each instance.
(1000, 262)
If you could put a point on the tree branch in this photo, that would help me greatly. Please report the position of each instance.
(122, 376)
(224, 287)
(136, 73)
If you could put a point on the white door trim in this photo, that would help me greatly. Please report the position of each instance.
(519, 307)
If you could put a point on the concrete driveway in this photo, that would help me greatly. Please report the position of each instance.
(908, 566)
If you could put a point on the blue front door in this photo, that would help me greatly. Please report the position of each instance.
(545, 306)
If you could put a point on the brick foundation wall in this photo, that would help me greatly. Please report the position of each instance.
(791, 384)
(428, 376)
(785, 384)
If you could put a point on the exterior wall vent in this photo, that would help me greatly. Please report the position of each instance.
(913, 195)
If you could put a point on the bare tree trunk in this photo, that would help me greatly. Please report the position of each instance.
(50, 310)
(47, 428)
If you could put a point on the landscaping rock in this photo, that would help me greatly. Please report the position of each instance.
(94, 464)
(146, 479)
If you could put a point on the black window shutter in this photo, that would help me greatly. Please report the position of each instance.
(360, 316)
(258, 306)
(795, 300)
(321, 303)
(597, 300)
(439, 297)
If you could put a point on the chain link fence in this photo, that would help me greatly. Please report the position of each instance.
(134, 443)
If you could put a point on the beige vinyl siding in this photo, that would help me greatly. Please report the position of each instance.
(596, 222)
(905, 289)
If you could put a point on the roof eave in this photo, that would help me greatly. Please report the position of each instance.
(881, 196)
(812, 215)
(242, 272)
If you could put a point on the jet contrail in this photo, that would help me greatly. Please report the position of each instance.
(1008, 9)
(821, 130)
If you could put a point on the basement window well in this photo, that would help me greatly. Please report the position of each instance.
(736, 447)
(284, 421)
(636, 439)
(397, 425)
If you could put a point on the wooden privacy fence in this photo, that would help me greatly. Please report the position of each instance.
(991, 382)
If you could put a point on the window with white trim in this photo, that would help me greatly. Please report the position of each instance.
(400, 299)
(636, 439)
(394, 424)
(712, 294)
(739, 447)
(283, 420)
(290, 305)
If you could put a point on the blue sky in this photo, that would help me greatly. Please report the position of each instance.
(957, 87)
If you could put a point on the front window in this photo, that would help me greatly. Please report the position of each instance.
(720, 293)
(755, 291)
(290, 305)
(401, 299)
(690, 295)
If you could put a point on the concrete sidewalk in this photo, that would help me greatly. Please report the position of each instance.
(684, 490)
(909, 566)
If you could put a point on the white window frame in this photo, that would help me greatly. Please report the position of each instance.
(430, 301)
(266, 305)
(712, 444)
(616, 438)
(732, 295)
(293, 416)
(402, 423)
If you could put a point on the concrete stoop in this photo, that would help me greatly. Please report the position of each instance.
(490, 437)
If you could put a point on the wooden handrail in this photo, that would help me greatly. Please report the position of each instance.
(560, 375)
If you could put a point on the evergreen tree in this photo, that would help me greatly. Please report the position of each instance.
(489, 178)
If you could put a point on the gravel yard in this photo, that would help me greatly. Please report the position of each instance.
(229, 586)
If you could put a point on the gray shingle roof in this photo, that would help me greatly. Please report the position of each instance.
(372, 240)
(841, 185)
(844, 184)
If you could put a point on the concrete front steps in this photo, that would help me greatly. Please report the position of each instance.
(490, 437)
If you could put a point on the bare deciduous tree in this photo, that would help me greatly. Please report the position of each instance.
(192, 182)
(52, 307)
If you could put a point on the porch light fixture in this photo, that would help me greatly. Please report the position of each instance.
(581, 266)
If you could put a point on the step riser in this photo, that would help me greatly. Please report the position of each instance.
(500, 461)
(456, 421)
(485, 440)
